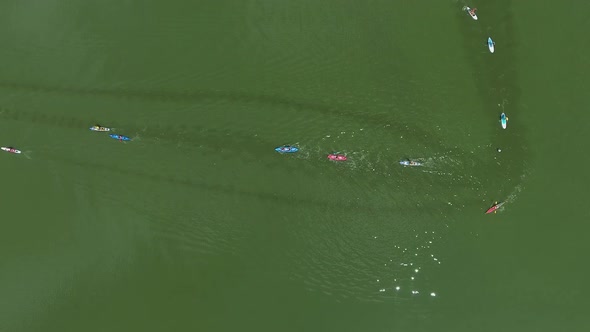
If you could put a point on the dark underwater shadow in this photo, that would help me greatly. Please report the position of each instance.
(378, 120)
(291, 201)
(496, 79)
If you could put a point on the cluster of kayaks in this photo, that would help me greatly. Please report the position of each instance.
(341, 157)
(105, 129)
(503, 117)
(279, 149)
(98, 128)
(337, 156)
(332, 156)
(492, 49)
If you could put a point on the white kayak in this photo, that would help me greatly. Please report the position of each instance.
(99, 128)
(409, 163)
(468, 10)
(11, 150)
(491, 45)
(504, 120)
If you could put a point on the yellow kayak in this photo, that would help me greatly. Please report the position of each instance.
(99, 128)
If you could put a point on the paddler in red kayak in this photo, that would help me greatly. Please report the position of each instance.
(337, 157)
(494, 207)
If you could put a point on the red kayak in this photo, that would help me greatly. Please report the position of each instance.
(494, 207)
(337, 157)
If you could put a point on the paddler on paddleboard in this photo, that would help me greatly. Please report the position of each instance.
(472, 11)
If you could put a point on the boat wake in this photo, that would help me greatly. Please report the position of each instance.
(511, 198)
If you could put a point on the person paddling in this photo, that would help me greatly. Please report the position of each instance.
(472, 12)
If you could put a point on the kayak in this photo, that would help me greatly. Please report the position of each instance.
(468, 10)
(503, 120)
(494, 207)
(120, 137)
(99, 128)
(410, 163)
(10, 149)
(491, 45)
(286, 149)
(337, 157)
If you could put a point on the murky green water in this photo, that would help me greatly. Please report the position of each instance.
(197, 224)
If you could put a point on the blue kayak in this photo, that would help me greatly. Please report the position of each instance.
(503, 120)
(120, 137)
(286, 149)
(409, 163)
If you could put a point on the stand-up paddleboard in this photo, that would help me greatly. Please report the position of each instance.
(503, 120)
(286, 149)
(99, 128)
(468, 10)
(491, 45)
(494, 207)
(120, 137)
(10, 149)
(410, 163)
(337, 157)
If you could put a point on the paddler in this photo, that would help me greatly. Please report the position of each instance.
(472, 11)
